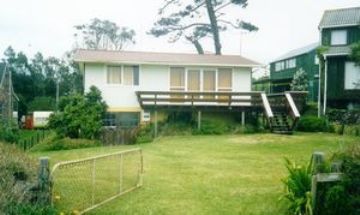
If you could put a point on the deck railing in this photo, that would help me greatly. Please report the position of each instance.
(181, 98)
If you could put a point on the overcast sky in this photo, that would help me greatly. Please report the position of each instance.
(47, 25)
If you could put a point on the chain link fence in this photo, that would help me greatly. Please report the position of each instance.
(82, 185)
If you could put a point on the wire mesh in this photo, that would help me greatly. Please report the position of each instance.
(81, 185)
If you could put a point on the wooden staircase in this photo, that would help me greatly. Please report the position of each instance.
(282, 110)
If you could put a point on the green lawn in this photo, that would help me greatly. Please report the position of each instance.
(230, 174)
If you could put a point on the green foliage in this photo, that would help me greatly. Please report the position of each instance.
(18, 183)
(81, 117)
(342, 197)
(298, 188)
(312, 124)
(213, 126)
(145, 134)
(9, 134)
(55, 143)
(355, 53)
(300, 81)
(344, 117)
(37, 77)
(42, 103)
(104, 34)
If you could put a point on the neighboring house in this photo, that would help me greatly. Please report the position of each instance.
(121, 74)
(282, 70)
(261, 84)
(338, 30)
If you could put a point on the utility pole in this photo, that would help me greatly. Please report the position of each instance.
(10, 97)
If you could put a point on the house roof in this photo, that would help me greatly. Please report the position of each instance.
(340, 17)
(102, 56)
(297, 52)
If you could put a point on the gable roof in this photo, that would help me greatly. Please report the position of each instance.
(135, 57)
(340, 17)
(297, 52)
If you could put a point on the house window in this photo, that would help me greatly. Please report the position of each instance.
(114, 74)
(316, 60)
(177, 78)
(209, 82)
(339, 37)
(126, 75)
(224, 79)
(279, 66)
(193, 80)
(291, 63)
(352, 76)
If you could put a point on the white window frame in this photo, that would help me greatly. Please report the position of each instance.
(279, 66)
(351, 77)
(122, 75)
(338, 37)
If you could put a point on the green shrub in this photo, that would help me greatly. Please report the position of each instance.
(212, 126)
(247, 129)
(54, 143)
(80, 116)
(342, 197)
(298, 188)
(312, 124)
(338, 128)
(344, 117)
(173, 129)
(18, 183)
(353, 130)
(145, 134)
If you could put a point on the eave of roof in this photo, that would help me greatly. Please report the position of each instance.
(158, 58)
(297, 52)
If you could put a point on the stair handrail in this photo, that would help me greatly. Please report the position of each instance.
(293, 108)
(267, 106)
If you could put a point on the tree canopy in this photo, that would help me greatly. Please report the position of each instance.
(104, 34)
(34, 80)
(197, 19)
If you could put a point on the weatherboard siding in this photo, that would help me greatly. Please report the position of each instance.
(353, 35)
(305, 61)
(151, 78)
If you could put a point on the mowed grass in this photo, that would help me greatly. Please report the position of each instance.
(229, 174)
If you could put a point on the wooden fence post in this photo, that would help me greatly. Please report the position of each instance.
(318, 159)
(199, 120)
(44, 182)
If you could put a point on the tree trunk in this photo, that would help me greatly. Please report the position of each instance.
(197, 45)
(214, 26)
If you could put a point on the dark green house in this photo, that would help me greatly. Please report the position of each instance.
(339, 29)
(282, 70)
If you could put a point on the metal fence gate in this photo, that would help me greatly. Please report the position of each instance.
(82, 185)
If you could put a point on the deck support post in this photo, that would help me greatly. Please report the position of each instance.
(199, 120)
(155, 123)
(243, 118)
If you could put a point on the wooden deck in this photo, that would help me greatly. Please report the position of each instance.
(235, 101)
(282, 110)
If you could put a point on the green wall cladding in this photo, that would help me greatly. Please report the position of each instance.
(353, 35)
(336, 81)
(305, 61)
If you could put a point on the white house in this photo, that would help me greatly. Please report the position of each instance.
(120, 74)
